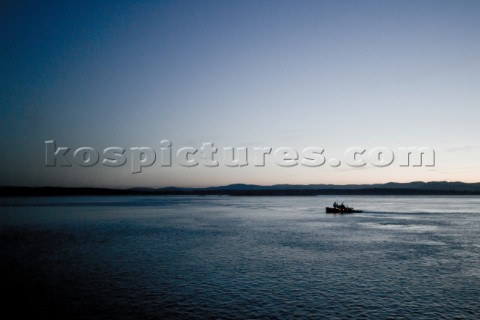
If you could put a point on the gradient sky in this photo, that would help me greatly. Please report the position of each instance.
(329, 74)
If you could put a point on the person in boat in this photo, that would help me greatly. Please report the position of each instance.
(342, 206)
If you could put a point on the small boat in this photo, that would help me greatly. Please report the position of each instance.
(341, 209)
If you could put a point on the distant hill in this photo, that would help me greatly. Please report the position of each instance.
(391, 188)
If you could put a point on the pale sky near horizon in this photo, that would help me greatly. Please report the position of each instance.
(327, 74)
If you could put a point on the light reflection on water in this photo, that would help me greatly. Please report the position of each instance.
(242, 257)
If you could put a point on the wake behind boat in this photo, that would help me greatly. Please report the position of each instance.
(341, 209)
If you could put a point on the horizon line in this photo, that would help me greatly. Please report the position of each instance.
(237, 184)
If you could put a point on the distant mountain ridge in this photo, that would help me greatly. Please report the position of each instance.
(433, 185)
(390, 188)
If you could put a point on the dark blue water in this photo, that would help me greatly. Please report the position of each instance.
(240, 257)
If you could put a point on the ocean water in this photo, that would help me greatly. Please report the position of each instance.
(220, 257)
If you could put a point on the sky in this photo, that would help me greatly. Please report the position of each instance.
(330, 75)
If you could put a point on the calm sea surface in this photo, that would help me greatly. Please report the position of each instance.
(240, 257)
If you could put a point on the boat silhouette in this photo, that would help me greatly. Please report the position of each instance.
(341, 209)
